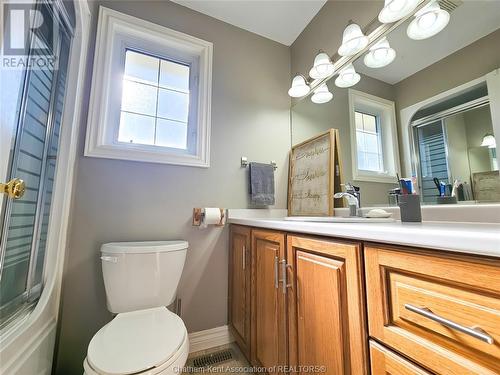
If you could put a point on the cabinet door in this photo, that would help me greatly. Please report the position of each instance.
(239, 287)
(268, 300)
(325, 306)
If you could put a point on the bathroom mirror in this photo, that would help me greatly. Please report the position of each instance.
(433, 113)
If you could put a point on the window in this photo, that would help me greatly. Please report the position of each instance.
(369, 142)
(150, 98)
(374, 147)
(155, 102)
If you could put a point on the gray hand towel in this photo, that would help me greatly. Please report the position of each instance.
(261, 184)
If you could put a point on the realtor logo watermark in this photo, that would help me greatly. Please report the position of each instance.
(28, 37)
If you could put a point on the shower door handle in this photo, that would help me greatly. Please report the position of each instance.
(14, 189)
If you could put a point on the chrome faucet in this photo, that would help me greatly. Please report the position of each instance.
(353, 198)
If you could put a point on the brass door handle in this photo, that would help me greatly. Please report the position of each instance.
(14, 189)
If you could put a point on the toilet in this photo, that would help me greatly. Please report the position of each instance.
(140, 279)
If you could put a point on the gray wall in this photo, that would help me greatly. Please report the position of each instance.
(478, 124)
(465, 65)
(326, 28)
(250, 116)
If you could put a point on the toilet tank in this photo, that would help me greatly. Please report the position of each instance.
(141, 275)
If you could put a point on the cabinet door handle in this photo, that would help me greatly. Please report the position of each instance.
(475, 332)
(284, 283)
(243, 257)
(276, 277)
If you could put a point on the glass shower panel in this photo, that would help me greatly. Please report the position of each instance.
(50, 168)
(432, 155)
(32, 158)
(27, 165)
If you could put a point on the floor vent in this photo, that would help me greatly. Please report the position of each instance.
(213, 358)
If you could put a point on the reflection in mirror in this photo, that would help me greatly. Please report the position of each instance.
(450, 149)
(432, 113)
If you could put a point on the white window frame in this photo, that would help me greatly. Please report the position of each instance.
(385, 112)
(118, 32)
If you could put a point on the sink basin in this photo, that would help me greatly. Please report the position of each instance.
(339, 219)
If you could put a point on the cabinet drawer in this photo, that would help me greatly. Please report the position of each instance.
(385, 362)
(443, 311)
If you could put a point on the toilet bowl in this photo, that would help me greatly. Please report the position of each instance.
(140, 279)
(152, 341)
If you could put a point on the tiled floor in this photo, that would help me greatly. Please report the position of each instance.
(236, 365)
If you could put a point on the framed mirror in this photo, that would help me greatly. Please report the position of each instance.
(431, 114)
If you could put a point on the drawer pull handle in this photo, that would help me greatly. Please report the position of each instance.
(475, 332)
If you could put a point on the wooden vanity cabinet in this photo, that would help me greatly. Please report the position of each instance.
(326, 322)
(440, 310)
(306, 302)
(298, 300)
(269, 320)
(239, 286)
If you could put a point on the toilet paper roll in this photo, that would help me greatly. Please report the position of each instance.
(213, 216)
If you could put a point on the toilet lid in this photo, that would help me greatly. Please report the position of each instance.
(136, 341)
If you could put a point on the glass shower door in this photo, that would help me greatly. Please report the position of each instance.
(32, 159)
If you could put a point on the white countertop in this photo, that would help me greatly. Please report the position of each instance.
(472, 238)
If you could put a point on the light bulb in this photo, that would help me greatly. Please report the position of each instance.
(322, 95)
(489, 141)
(347, 77)
(428, 21)
(299, 87)
(353, 40)
(381, 54)
(394, 10)
(323, 66)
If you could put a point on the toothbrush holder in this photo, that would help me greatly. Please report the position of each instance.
(409, 205)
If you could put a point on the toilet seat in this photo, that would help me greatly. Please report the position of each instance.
(137, 342)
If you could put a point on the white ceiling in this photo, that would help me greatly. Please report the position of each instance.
(279, 20)
(469, 22)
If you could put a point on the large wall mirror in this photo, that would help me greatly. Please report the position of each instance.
(433, 113)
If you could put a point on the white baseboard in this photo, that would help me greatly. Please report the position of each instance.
(209, 338)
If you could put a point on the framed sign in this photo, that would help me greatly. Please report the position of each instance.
(314, 176)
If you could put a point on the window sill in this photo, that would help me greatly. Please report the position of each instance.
(368, 177)
(145, 155)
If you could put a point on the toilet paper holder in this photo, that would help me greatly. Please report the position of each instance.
(199, 216)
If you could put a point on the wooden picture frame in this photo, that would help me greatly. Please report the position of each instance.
(315, 174)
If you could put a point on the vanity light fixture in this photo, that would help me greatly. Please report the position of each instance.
(381, 54)
(394, 10)
(347, 77)
(299, 87)
(323, 66)
(489, 141)
(428, 21)
(322, 95)
(353, 40)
